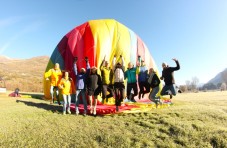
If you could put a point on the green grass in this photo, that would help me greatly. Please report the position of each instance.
(195, 120)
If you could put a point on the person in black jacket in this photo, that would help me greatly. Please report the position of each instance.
(168, 77)
(94, 85)
(154, 82)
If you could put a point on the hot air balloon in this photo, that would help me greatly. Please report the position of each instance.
(95, 39)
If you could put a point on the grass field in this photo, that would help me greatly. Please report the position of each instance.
(195, 120)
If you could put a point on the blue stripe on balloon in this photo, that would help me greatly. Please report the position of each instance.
(133, 51)
(56, 57)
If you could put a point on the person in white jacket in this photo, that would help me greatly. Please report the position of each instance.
(119, 87)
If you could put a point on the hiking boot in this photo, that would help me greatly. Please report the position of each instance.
(170, 96)
(142, 95)
(133, 100)
(117, 108)
(139, 95)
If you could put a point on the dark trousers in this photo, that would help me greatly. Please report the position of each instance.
(144, 88)
(131, 86)
(119, 89)
(107, 88)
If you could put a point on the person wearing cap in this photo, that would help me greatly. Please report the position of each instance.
(130, 75)
(142, 78)
(81, 85)
(168, 77)
(119, 86)
(154, 82)
(94, 85)
(55, 75)
(106, 80)
(66, 87)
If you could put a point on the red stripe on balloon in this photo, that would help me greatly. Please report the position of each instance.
(140, 48)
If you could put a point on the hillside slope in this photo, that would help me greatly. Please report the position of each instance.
(219, 78)
(26, 74)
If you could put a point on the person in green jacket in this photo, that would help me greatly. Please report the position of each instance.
(106, 80)
(130, 75)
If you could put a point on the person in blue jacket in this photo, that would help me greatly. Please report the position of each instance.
(142, 79)
(81, 85)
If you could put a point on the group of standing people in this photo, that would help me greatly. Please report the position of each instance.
(110, 83)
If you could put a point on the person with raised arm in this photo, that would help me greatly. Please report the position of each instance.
(81, 84)
(106, 80)
(168, 77)
(119, 87)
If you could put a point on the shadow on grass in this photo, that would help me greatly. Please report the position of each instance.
(35, 96)
(48, 107)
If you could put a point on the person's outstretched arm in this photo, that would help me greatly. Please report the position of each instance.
(178, 65)
(75, 66)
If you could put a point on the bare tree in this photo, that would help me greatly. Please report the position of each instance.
(194, 83)
(183, 88)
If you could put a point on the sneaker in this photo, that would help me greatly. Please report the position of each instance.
(94, 115)
(84, 114)
(77, 114)
(69, 112)
(64, 113)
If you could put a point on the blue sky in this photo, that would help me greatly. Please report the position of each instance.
(193, 31)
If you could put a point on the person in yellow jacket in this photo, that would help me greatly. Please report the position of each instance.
(55, 75)
(66, 87)
(106, 80)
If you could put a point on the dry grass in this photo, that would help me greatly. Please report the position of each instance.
(195, 120)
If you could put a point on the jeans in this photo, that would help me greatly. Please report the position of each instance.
(67, 102)
(167, 88)
(153, 94)
(131, 86)
(78, 94)
(52, 88)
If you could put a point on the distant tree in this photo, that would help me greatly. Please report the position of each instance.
(223, 86)
(194, 83)
(219, 85)
(183, 88)
(188, 85)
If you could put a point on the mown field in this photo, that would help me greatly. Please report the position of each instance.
(195, 120)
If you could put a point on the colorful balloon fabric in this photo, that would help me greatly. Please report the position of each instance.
(96, 39)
